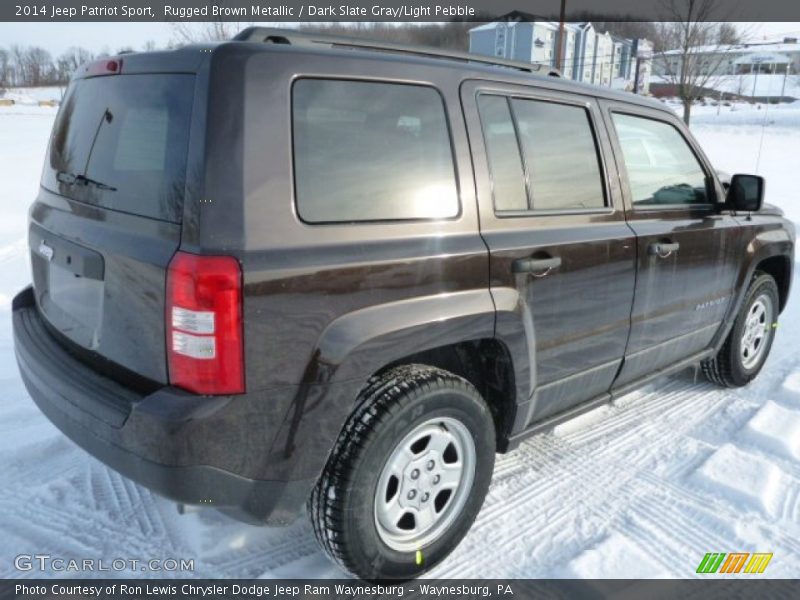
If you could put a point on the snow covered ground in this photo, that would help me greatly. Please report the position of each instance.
(33, 95)
(643, 487)
(753, 86)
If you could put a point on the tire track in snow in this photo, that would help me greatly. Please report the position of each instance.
(295, 543)
(716, 508)
(578, 482)
(665, 521)
(38, 463)
(48, 529)
(620, 423)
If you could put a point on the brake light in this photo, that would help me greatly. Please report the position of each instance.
(111, 66)
(204, 324)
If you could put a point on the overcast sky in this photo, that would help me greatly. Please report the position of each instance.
(57, 37)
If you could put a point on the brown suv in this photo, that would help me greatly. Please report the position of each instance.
(290, 268)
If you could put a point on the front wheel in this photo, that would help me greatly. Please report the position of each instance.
(748, 344)
(407, 476)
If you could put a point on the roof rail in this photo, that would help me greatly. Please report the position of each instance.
(293, 37)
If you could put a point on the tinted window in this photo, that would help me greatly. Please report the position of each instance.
(505, 163)
(662, 169)
(560, 155)
(129, 134)
(371, 151)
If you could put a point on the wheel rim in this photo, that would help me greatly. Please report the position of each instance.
(756, 331)
(424, 484)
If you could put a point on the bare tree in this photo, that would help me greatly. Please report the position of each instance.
(689, 27)
(628, 29)
(17, 54)
(207, 31)
(40, 66)
(5, 68)
(453, 35)
(728, 34)
(739, 86)
(68, 62)
(33, 65)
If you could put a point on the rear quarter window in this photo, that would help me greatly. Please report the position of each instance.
(129, 135)
(368, 151)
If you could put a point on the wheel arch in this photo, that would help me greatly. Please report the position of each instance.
(779, 267)
(770, 250)
(358, 344)
(461, 332)
(487, 364)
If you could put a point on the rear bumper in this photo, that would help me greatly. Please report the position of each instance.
(192, 449)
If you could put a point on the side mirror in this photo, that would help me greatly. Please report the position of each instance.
(746, 193)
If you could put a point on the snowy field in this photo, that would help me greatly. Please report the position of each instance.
(33, 95)
(643, 487)
(753, 86)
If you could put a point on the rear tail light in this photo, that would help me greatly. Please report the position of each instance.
(204, 324)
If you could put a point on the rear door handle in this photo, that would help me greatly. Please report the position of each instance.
(663, 249)
(538, 267)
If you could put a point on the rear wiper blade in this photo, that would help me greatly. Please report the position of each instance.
(94, 182)
(72, 178)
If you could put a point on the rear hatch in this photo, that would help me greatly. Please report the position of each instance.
(108, 217)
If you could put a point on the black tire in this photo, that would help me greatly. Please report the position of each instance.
(342, 505)
(727, 368)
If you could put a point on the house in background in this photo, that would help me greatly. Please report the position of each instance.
(589, 55)
(768, 58)
(755, 71)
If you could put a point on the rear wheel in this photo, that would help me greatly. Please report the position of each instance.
(748, 344)
(407, 476)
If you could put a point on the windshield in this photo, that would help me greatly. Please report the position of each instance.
(121, 142)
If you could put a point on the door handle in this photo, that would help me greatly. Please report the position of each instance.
(538, 267)
(663, 249)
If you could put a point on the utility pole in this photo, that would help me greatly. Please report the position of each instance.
(560, 54)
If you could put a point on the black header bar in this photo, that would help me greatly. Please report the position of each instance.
(387, 10)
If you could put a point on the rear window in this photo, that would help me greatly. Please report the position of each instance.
(367, 151)
(121, 142)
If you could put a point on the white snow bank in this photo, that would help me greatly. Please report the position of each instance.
(759, 86)
(33, 95)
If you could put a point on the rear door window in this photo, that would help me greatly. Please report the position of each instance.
(542, 155)
(368, 151)
(121, 142)
(561, 155)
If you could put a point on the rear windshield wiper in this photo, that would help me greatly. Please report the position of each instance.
(72, 179)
